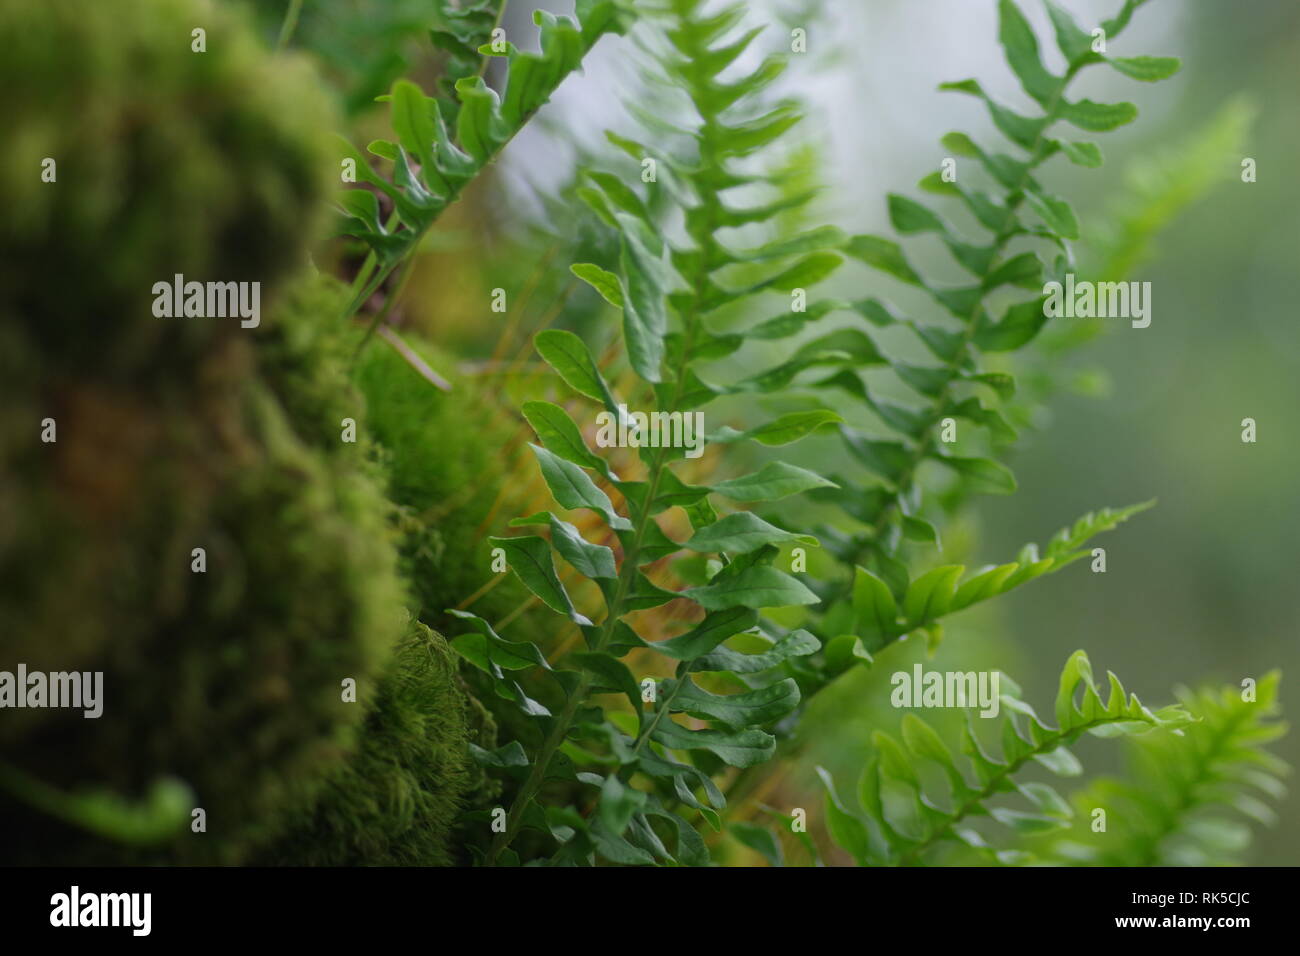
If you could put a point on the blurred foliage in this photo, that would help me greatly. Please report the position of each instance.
(905, 820)
(364, 45)
(223, 687)
(1187, 798)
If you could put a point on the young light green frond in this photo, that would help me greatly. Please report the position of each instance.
(1189, 798)
(901, 820)
(885, 607)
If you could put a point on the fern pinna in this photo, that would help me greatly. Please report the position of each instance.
(880, 601)
(901, 821)
(1187, 799)
(444, 142)
(649, 775)
(1194, 766)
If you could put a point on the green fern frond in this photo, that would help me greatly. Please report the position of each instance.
(1158, 188)
(878, 619)
(1188, 799)
(648, 775)
(440, 150)
(959, 385)
(897, 461)
(461, 32)
(902, 821)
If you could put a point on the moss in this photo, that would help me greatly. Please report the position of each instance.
(208, 164)
(305, 352)
(396, 801)
(449, 475)
(445, 455)
(195, 433)
(229, 680)
(438, 452)
(301, 548)
(170, 437)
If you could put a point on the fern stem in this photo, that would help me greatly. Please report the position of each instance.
(389, 303)
(501, 13)
(940, 403)
(289, 25)
(660, 712)
(562, 723)
(994, 787)
(627, 574)
(745, 780)
(1169, 823)
(369, 288)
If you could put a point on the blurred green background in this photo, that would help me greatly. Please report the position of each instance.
(1201, 587)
